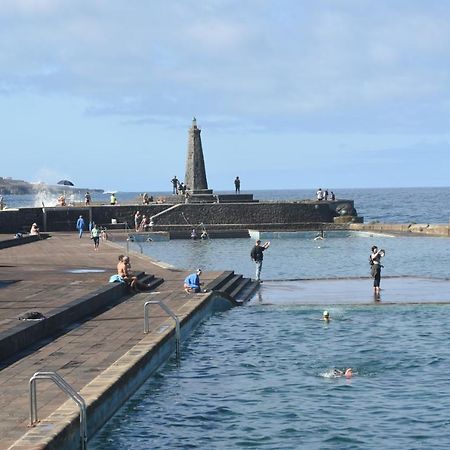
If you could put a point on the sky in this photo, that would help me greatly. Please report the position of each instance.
(289, 94)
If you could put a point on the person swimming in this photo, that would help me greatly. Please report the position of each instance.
(347, 373)
(320, 236)
(326, 316)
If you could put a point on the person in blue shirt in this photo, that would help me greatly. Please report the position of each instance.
(192, 282)
(80, 226)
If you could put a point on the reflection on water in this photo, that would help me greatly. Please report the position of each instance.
(256, 376)
(302, 258)
(253, 377)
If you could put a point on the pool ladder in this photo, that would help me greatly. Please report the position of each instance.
(68, 389)
(171, 314)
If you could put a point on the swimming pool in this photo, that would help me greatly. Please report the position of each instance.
(260, 376)
(299, 257)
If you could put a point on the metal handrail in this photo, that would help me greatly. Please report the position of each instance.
(64, 386)
(171, 314)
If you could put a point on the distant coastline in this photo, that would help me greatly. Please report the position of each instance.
(9, 186)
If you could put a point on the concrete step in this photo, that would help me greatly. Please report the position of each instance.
(231, 284)
(216, 284)
(27, 333)
(247, 291)
(243, 282)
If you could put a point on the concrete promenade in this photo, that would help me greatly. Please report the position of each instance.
(50, 274)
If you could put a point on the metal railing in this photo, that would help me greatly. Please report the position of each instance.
(171, 314)
(65, 387)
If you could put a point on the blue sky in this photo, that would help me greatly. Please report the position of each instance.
(288, 93)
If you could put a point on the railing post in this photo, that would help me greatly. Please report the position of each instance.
(171, 314)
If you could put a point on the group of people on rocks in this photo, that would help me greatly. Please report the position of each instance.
(325, 195)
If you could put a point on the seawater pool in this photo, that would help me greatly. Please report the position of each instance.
(341, 254)
(260, 376)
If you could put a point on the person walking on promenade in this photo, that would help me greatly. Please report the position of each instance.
(375, 262)
(192, 282)
(80, 226)
(174, 182)
(95, 236)
(237, 185)
(257, 255)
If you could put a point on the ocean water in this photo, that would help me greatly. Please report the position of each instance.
(392, 205)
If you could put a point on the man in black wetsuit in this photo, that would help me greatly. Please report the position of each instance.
(257, 255)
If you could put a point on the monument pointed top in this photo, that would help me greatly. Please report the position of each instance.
(194, 122)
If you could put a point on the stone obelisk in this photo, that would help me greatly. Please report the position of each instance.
(195, 175)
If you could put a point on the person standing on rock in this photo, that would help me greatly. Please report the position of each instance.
(257, 255)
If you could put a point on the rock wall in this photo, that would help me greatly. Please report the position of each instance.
(236, 215)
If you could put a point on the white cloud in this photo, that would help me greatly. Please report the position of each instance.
(298, 63)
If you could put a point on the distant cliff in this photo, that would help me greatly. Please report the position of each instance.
(8, 186)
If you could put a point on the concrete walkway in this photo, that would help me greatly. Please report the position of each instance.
(52, 273)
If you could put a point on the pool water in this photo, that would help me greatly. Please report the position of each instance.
(339, 255)
(260, 377)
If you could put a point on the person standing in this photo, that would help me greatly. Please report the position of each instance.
(113, 199)
(375, 262)
(95, 235)
(87, 198)
(80, 226)
(257, 255)
(137, 220)
(237, 185)
(319, 194)
(174, 181)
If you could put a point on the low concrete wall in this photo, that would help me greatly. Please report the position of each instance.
(21, 241)
(111, 389)
(424, 229)
(26, 333)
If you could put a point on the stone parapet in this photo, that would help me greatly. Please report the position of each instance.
(246, 214)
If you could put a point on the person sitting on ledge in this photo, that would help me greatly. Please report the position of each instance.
(124, 271)
(192, 282)
(34, 231)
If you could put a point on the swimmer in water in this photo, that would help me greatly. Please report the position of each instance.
(347, 373)
(320, 236)
(326, 316)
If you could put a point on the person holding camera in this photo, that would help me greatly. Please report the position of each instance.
(375, 262)
(257, 255)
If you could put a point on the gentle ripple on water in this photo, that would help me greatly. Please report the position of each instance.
(255, 377)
